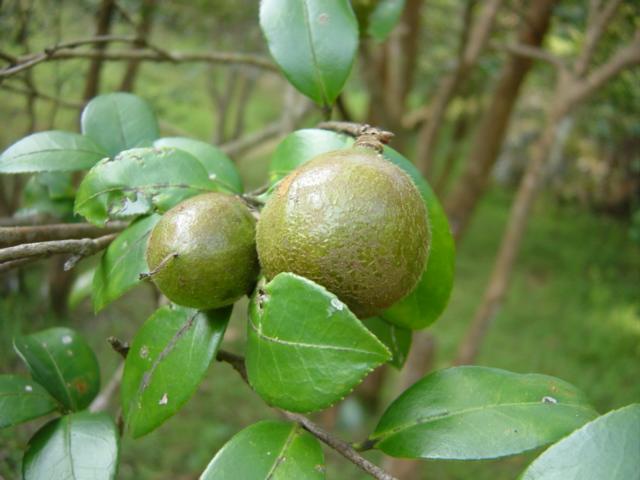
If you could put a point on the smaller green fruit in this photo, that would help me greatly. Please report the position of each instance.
(202, 252)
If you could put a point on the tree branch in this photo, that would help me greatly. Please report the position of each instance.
(599, 17)
(623, 58)
(340, 446)
(66, 50)
(533, 53)
(82, 247)
(61, 231)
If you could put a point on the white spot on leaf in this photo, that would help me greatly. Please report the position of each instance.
(28, 388)
(144, 351)
(67, 339)
(550, 400)
(337, 304)
(164, 400)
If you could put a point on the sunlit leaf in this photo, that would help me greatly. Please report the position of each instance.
(305, 349)
(468, 413)
(119, 121)
(313, 41)
(52, 151)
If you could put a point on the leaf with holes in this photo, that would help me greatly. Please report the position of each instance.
(314, 42)
(119, 121)
(167, 360)
(220, 167)
(467, 413)
(140, 181)
(81, 446)
(22, 400)
(305, 349)
(429, 298)
(52, 151)
(61, 361)
(608, 447)
(301, 146)
(397, 339)
(268, 450)
(122, 263)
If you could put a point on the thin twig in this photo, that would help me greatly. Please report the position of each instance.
(84, 247)
(102, 401)
(534, 53)
(340, 446)
(61, 231)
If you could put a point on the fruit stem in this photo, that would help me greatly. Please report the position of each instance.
(366, 136)
(160, 266)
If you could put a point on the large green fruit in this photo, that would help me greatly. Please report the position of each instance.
(202, 252)
(350, 221)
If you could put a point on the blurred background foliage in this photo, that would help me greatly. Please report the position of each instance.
(573, 310)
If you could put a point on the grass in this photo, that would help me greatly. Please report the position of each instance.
(573, 311)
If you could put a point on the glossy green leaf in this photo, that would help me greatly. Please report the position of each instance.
(61, 361)
(301, 146)
(268, 450)
(313, 41)
(468, 413)
(122, 263)
(428, 300)
(397, 339)
(82, 446)
(168, 358)
(22, 399)
(305, 349)
(220, 167)
(138, 182)
(384, 18)
(606, 448)
(52, 151)
(37, 200)
(119, 121)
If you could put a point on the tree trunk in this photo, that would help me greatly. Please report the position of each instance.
(491, 132)
(147, 9)
(103, 26)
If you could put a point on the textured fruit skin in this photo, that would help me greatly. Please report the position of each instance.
(214, 237)
(350, 221)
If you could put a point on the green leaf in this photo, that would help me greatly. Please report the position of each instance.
(608, 447)
(220, 167)
(268, 450)
(36, 200)
(63, 363)
(384, 18)
(314, 42)
(305, 349)
(82, 446)
(119, 121)
(429, 298)
(167, 361)
(52, 151)
(140, 181)
(397, 339)
(468, 413)
(22, 400)
(301, 146)
(122, 263)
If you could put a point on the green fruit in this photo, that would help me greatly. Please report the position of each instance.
(202, 252)
(350, 221)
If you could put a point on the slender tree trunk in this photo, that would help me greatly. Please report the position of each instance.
(492, 130)
(103, 26)
(512, 238)
(474, 37)
(147, 10)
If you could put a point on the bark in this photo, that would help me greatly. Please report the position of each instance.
(147, 10)
(103, 26)
(474, 38)
(492, 130)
